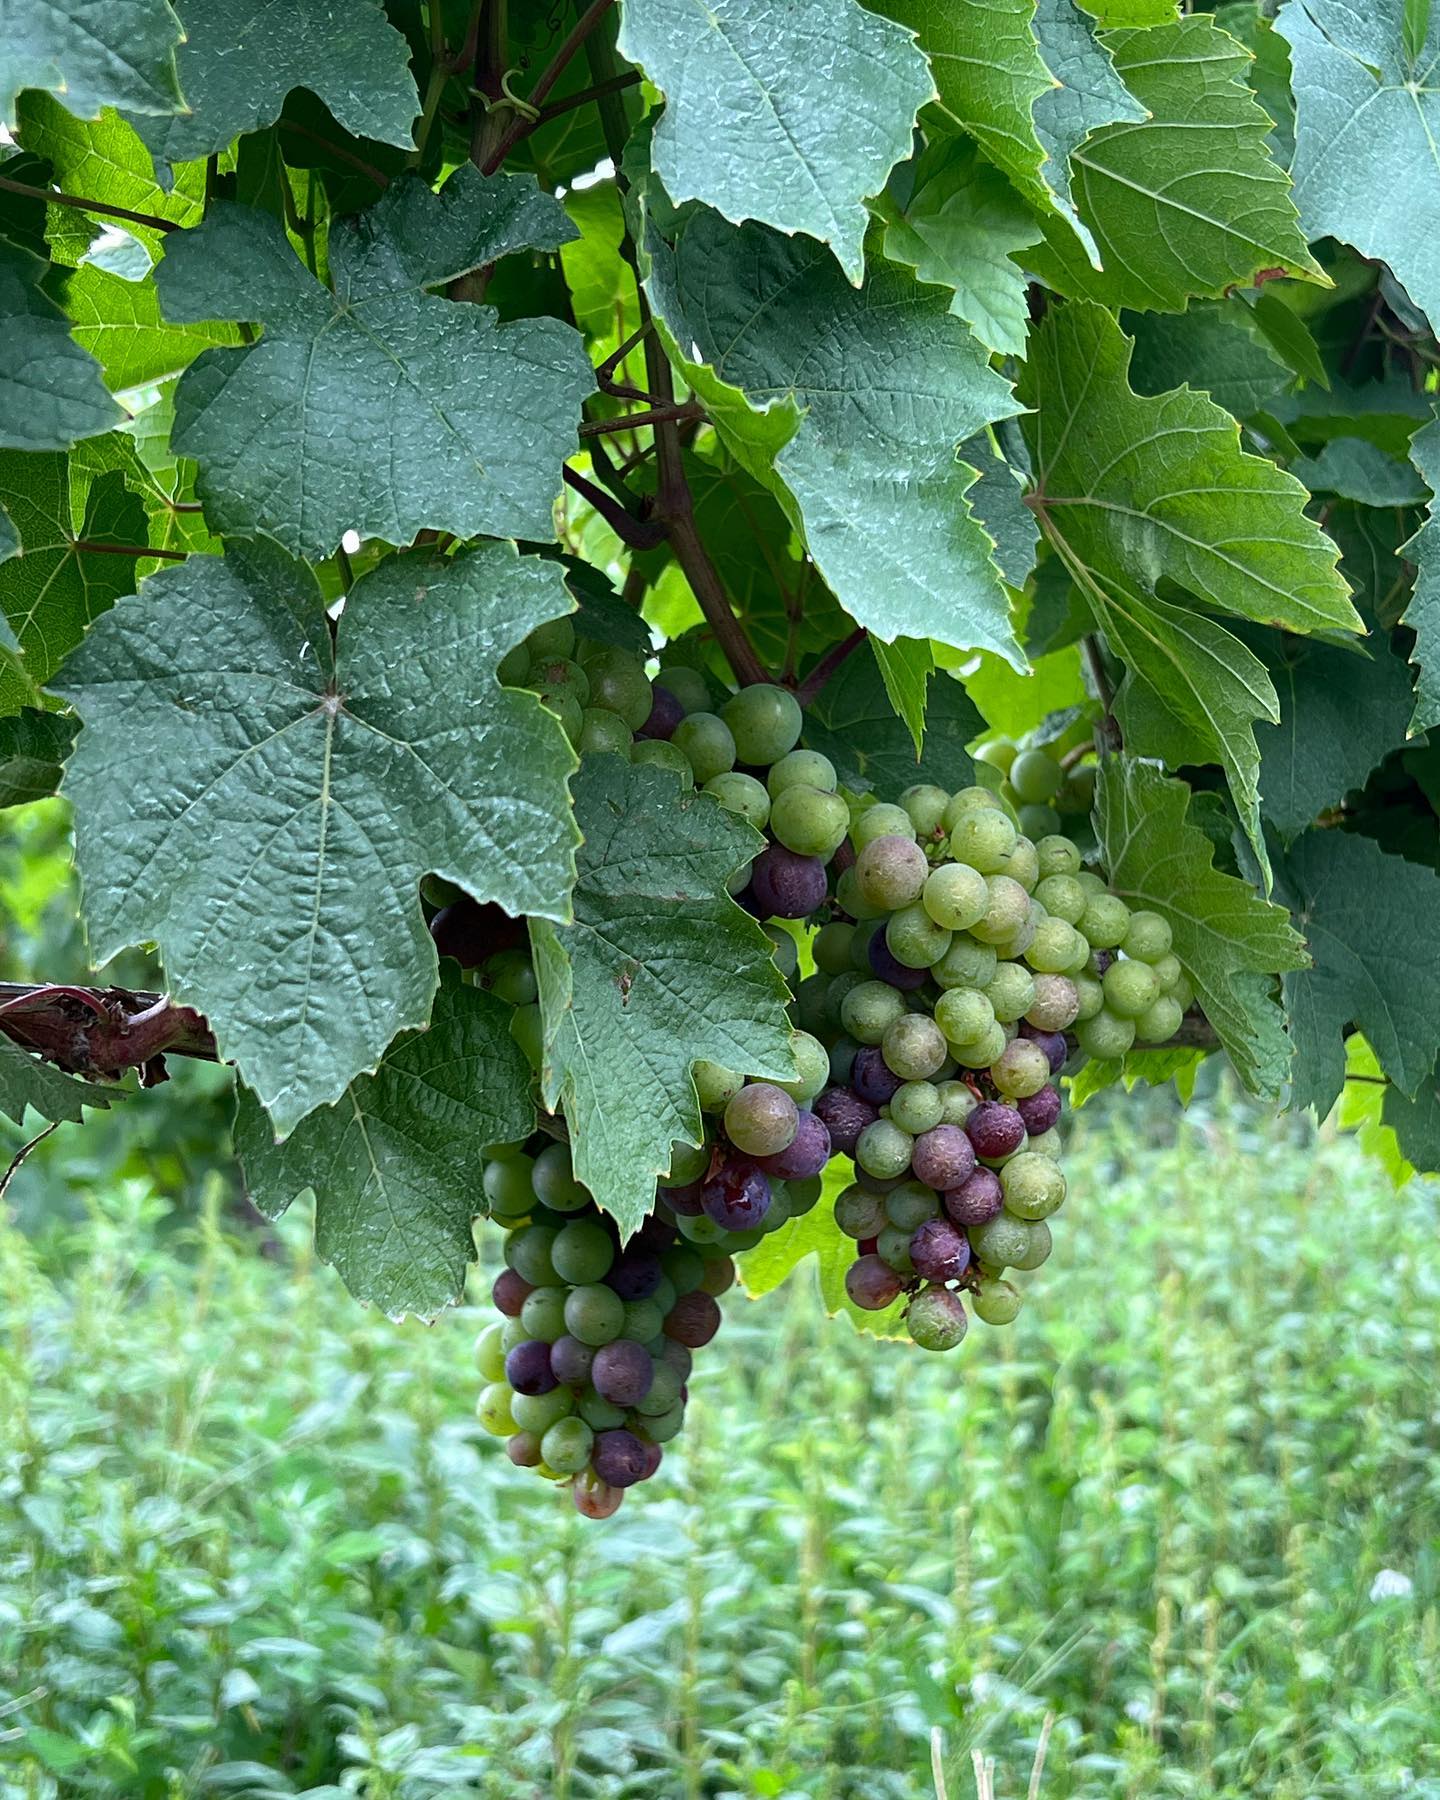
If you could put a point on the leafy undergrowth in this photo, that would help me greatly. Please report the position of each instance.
(251, 1542)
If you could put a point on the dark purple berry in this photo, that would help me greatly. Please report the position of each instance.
(622, 1372)
(510, 1293)
(1040, 1111)
(738, 1197)
(872, 1284)
(787, 886)
(666, 712)
(882, 961)
(977, 1200)
(653, 1454)
(684, 1201)
(527, 1368)
(943, 1157)
(571, 1361)
(1051, 1042)
(619, 1458)
(693, 1320)
(872, 1077)
(470, 932)
(995, 1130)
(635, 1274)
(845, 1115)
(939, 1250)
(806, 1154)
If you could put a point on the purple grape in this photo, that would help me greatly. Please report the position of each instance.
(1102, 960)
(523, 1449)
(738, 1198)
(655, 1234)
(882, 961)
(666, 712)
(635, 1274)
(510, 1293)
(619, 1459)
(1051, 1042)
(527, 1368)
(787, 886)
(571, 1361)
(693, 1320)
(845, 1115)
(977, 1199)
(872, 1284)
(939, 1250)
(685, 1201)
(1040, 1111)
(470, 932)
(869, 1247)
(943, 1157)
(995, 1130)
(806, 1154)
(653, 1456)
(872, 1077)
(622, 1372)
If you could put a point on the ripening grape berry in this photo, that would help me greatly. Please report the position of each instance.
(786, 885)
(943, 1157)
(966, 963)
(869, 1010)
(914, 939)
(1130, 988)
(883, 1149)
(666, 712)
(925, 805)
(1105, 1037)
(979, 1055)
(939, 1250)
(527, 1367)
(893, 1248)
(538, 1412)
(845, 1116)
(687, 685)
(983, 838)
(880, 820)
(719, 1278)
(830, 946)
(619, 1458)
(996, 1301)
(977, 1199)
(1039, 1110)
(510, 1292)
(622, 1373)
(872, 1077)
(916, 1107)
(761, 1119)
(594, 1314)
(707, 745)
(571, 1361)
(693, 1320)
(886, 965)
(936, 1319)
(737, 1197)
(808, 821)
(523, 1449)
(806, 1154)
(891, 871)
(715, 1085)
(637, 1272)
(1033, 1185)
(1056, 1003)
(914, 1047)
(1020, 1070)
(995, 1130)
(1160, 1021)
(1148, 938)
(1007, 912)
(872, 1284)
(1011, 992)
(741, 794)
(910, 1205)
(1105, 921)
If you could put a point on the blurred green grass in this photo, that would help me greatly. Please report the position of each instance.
(252, 1543)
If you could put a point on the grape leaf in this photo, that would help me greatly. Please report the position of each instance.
(1359, 910)
(853, 722)
(1340, 715)
(1416, 1122)
(1229, 941)
(890, 383)
(51, 391)
(26, 1081)
(93, 52)
(1215, 346)
(1150, 489)
(262, 803)
(1188, 201)
(1423, 613)
(1087, 94)
(956, 220)
(119, 323)
(998, 502)
(1360, 471)
(395, 1163)
(906, 667)
(1367, 126)
(53, 588)
(776, 1257)
(660, 968)
(792, 116)
(238, 64)
(1153, 1067)
(284, 429)
(33, 746)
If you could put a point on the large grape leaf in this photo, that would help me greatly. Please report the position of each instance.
(26, 1081)
(119, 323)
(956, 220)
(1368, 919)
(94, 53)
(660, 969)
(56, 583)
(1216, 346)
(51, 391)
(1188, 201)
(854, 723)
(262, 802)
(791, 115)
(1142, 489)
(33, 747)
(1423, 613)
(285, 430)
(1367, 132)
(1230, 941)
(238, 63)
(890, 382)
(395, 1163)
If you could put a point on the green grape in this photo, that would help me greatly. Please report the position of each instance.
(967, 800)
(893, 1247)
(891, 872)
(765, 721)
(715, 1085)
(842, 1060)
(984, 1051)
(1056, 1004)
(493, 1409)
(1092, 883)
(925, 804)
(812, 1062)
(508, 1185)
(911, 1204)
(707, 745)
(809, 822)
(1022, 864)
(1057, 856)
(1148, 939)
(1077, 792)
(983, 838)
(1182, 993)
(957, 1102)
(995, 1301)
(598, 1414)
(787, 951)
(619, 684)
(644, 1319)
(1062, 897)
(510, 976)
(538, 1412)
(1054, 947)
(490, 1352)
(543, 1314)
(881, 820)
(1001, 1241)
(1167, 970)
(1033, 1185)
(527, 1252)
(687, 685)
(1130, 989)
(594, 1314)
(513, 1332)
(964, 1014)
(955, 896)
(804, 1192)
(841, 986)
(849, 898)
(1006, 914)
(936, 1319)
(566, 1446)
(1011, 992)
(1090, 995)
(860, 945)
(966, 963)
(558, 675)
(701, 1229)
(916, 1107)
(665, 1386)
(811, 1008)
(802, 768)
(913, 1047)
(556, 637)
(684, 1269)
(568, 710)
(1106, 920)
(869, 1010)
(914, 939)
(761, 1120)
(741, 794)
(858, 1213)
(1081, 964)
(1012, 948)
(830, 946)
(1038, 821)
(999, 753)
(1048, 1143)
(1105, 1037)
(555, 1183)
(513, 668)
(1160, 1021)
(1036, 777)
(883, 1149)
(582, 1252)
(1021, 1069)
(1037, 1250)
(662, 754)
(661, 1427)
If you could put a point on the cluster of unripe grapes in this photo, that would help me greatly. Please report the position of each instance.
(961, 962)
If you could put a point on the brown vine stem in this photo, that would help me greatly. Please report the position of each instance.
(103, 207)
(814, 683)
(635, 534)
(654, 415)
(615, 85)
(522, 121)
(127, 550)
